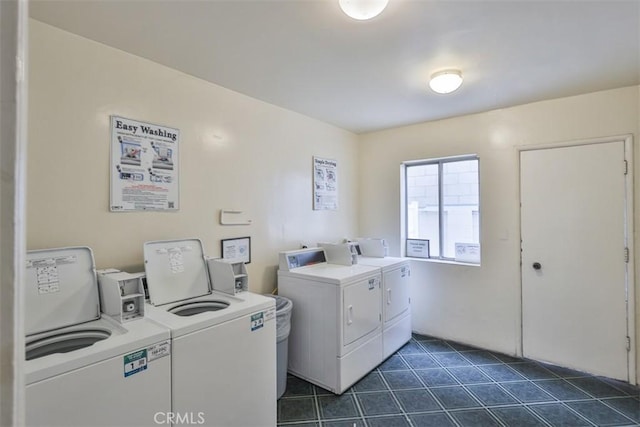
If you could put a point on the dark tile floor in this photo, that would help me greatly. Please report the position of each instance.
(430, 382)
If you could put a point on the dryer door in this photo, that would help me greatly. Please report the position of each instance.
(361, 309)
(396, 292)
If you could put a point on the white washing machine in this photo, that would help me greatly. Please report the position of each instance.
(336, 323)
(83, 368)
(223, 346)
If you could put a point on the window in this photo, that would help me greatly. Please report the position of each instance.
(442, 205)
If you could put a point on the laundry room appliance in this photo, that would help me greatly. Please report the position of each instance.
(83, 368)
(396, 287)
(336, 326)
(223, 346)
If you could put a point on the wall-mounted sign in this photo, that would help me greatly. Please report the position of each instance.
(418, 248)
(144, 166)
(325, 184)
(238, 248)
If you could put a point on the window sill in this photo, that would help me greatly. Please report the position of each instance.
(445, 261)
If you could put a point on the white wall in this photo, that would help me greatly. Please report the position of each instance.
(481, 305)
(236, 152)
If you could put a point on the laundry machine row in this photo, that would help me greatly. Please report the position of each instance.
(190, 354)
(340, 328)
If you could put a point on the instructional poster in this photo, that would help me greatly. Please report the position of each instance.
(325, 184)
(144, 166)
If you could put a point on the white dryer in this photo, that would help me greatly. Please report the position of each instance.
(336, 326)
(396, 288)
(223, 346)
(396, 300)
(83, 368)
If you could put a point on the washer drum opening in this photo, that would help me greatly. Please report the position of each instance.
(64, 342)
(193, 308)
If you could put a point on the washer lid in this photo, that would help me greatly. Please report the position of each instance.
(61, 289)
(176, 270)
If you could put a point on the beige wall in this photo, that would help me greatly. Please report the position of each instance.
(481, 305)
(236, 152)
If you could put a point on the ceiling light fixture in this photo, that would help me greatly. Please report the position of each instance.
(362, 9)
(445, 81)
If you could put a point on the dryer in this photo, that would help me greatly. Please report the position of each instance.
(336, 324)
(83, 368)
(223, 346)
(396, 288)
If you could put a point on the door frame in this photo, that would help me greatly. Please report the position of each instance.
(627, 139)
(14, 20)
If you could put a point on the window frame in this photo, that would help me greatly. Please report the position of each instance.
(405, 201)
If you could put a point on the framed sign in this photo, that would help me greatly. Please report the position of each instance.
(237, 248)
(418, 248)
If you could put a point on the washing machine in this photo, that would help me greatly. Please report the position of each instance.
(336, 323)
(83, 368)
(396, 287)
(223, 346)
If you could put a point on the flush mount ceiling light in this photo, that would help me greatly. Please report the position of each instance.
(362, 9)
(445, 81)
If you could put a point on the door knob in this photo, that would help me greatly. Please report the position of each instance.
(537, 266)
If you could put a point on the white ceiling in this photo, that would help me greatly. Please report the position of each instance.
(307, 56)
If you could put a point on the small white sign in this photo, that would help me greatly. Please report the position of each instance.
(47, 272)
(418, 248)
(176, 261)
(159, 350)
(468, 252)
(270, 314)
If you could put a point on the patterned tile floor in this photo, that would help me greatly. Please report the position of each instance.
(431, 382)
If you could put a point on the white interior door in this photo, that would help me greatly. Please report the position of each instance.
(574, 285)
